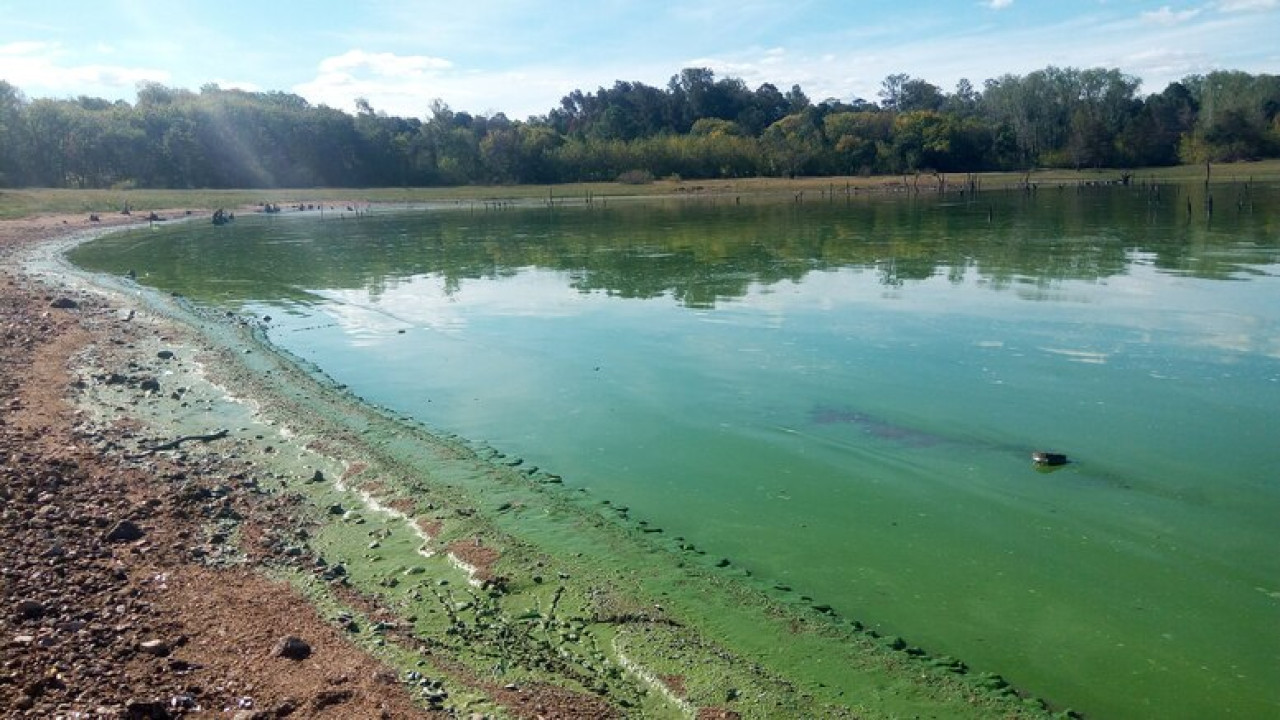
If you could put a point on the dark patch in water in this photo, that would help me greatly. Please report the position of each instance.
(873, 426)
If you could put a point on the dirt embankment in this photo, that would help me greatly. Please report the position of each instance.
(108, 604)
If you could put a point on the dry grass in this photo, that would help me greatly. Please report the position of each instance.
(37, 201)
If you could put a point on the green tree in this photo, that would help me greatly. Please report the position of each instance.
(13, 138)
(853, 138)
(792, 144)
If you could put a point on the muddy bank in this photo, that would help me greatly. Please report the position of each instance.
(227, 499)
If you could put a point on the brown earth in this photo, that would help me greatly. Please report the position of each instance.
(107, 608)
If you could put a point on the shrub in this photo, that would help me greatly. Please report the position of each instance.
(636, 177)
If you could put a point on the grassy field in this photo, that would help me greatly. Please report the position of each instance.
(44, 201)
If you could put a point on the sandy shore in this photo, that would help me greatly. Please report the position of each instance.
(177, 502)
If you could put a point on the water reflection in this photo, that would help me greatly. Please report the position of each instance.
(702, 254)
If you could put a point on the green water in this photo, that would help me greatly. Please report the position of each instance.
(843, 398)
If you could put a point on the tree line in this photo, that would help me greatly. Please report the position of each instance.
(698, 126)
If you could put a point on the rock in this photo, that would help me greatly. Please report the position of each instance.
(317, 477)
(149, 385)
(165, 354)
(124, 531)
(1049, 459)
(150, 709)
(293, 648)
(64, 303)
(29, 609)
(159, 648)
(329, 698)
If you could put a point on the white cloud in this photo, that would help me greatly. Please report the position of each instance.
(23, 48)
(1247, 5)
(39, 68)
(405, 85)
(1168, 16)
(998, 4)
(383, 64)
(1161, 67)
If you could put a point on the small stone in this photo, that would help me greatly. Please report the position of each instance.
(1048, 459)
(165, 354)
(329, 698)
(29, 609)
(293, 648)
(124, 531)
(149, 385)
(317, 477)
(146, 709)
(159, 648)
(64, 303)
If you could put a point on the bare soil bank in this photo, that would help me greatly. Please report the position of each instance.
(108, 610)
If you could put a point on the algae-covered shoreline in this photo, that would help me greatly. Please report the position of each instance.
(450, 561)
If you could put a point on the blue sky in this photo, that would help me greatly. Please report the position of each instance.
(520, 57)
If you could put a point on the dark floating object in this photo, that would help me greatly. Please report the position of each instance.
(1048, 459)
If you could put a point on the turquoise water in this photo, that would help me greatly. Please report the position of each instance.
(843, 398)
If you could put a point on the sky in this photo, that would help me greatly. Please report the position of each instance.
(519, 57)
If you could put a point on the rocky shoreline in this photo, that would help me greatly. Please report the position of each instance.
(109, 606)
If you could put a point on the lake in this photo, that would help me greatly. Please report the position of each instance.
(843, 395)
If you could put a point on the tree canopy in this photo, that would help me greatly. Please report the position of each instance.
(698, 126)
